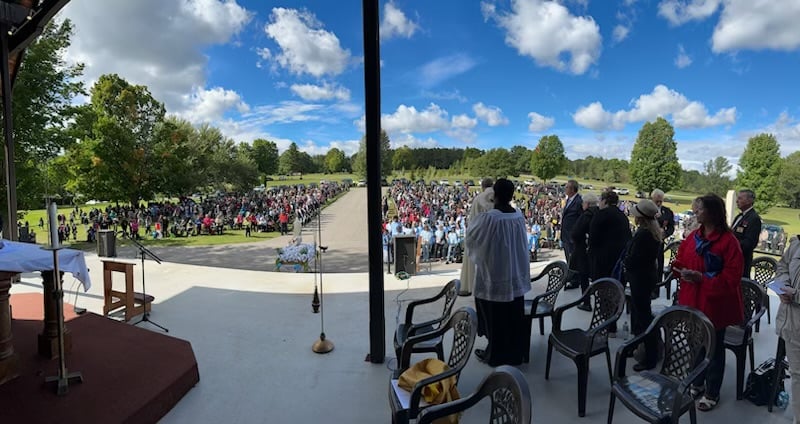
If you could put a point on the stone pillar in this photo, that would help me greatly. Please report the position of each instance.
(48, 339)
(9, 361)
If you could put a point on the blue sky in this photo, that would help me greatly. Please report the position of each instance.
(456, 73)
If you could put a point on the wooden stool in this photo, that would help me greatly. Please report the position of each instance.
(133, 302)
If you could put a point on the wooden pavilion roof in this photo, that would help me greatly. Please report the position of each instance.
(34, 15)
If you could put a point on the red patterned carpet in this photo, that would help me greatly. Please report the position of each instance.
(131, 375)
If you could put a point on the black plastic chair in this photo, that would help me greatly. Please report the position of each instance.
(544, 304)
(463, 323)
(408, 329)
(739, 338)
(663, 396)
(608, 298)
(508, 389)
(763, 272)
(666, 276)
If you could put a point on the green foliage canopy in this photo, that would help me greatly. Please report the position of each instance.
(760, 166)
(654, 160)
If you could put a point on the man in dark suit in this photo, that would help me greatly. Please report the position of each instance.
(747, 227)
(609, 234)
(666, 221)
(573, 208)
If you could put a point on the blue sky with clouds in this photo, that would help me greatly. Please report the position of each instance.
(492, 73)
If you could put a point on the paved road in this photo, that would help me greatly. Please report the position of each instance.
(344, 231)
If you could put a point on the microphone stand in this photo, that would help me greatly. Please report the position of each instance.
(145, 252)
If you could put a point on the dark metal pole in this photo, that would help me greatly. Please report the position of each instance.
(10, 230)
(372, 109)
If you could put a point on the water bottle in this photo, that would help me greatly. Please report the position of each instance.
(625, 330)
(783, 400)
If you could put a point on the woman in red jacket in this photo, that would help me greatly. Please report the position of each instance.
(710, 265)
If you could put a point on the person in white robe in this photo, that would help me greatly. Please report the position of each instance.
(481, 203)
(497, 243)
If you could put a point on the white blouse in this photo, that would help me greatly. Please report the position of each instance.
(497, 243)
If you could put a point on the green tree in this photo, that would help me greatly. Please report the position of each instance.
(654, 161)
(716, 175)
(360, 159)
(789, 180)
(548, 157)
(760, 166)
(403, 158)
(290, 160)
(42, 105)
(495, 163)
(335, 160)
(521, 156)
(120, 147)
(265, 155)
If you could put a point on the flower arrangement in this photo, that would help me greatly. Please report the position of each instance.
(300, 255)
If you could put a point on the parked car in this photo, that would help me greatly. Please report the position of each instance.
(362, 183)
(457, 183)
(622, 191)
(469, 183)
(588, 187)
(641, 195)
(444, 182)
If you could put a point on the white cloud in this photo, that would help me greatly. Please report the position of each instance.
(413, 142)
(679, 12)
(325, 91)
(407, 119)
(743, 24)
(208, 106)
(349, 147)
(464, 121)
(662, 102)
(682, 60)
(594, 117)
(492, 115)
(306, 48)
(751, 24)
(395, 23)
(443, 68)
(621, 33)
(165, 54)
(445, 95)
(539, 122)
(547, 32)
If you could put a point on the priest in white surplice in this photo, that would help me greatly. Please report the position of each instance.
(497, 242)
(481, 203)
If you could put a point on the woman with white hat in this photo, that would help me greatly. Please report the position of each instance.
(641, 272)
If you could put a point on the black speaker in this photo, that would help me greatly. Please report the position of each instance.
(106, 243)
(405, 254)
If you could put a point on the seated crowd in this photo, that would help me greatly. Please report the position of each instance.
(263, 211)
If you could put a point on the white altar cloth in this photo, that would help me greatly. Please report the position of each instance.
(27, 257)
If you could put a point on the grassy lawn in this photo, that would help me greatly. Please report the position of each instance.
(310, 178)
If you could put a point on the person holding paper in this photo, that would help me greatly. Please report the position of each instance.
(787, 323)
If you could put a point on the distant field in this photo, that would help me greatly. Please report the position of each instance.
(278, 180)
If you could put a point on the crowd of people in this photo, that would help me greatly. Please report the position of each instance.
(256, 211)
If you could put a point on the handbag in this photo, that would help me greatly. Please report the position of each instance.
(759, 384)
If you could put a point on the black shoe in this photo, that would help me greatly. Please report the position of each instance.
(585, 307)
(481, 355)
(639, 367)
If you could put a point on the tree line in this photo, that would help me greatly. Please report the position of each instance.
(122, 146)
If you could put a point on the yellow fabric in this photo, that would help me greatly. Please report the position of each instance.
(442, 391)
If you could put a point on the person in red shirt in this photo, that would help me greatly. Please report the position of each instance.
(709, 265)
(283, 219)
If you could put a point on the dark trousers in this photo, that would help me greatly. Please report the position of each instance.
(569, 247)
(505, 328)
(712, 377)
(583, 279)
(641, 317)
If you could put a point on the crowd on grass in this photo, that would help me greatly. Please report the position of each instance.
(272, 209)
(437, 215)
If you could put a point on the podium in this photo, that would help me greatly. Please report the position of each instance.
(134, 303)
